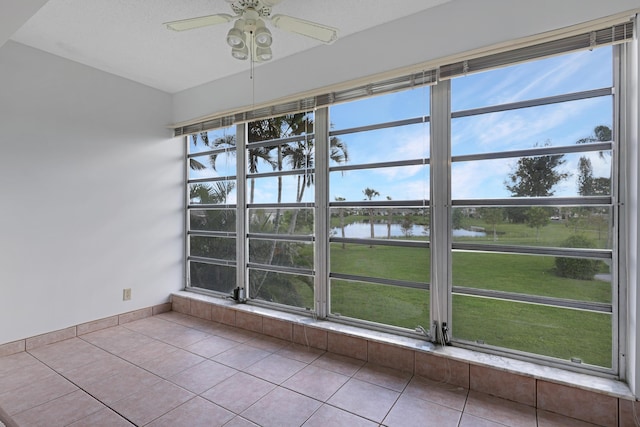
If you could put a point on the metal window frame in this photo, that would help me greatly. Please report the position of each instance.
(536, 102)
(205, 233)
(393, 164)
(536, 151)
(210, 152)
(421, 244)
(607, 201)
(440, 297)
(380, 281)
(195, 206)
(440, 203)
(282, 237)
(535, 299)
(247, 235)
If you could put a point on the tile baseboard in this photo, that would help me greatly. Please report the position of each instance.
(80, 329)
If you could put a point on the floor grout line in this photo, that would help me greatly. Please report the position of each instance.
(163, 334)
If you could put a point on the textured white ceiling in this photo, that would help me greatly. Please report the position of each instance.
(127, 38)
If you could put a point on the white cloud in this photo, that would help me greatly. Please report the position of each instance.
(481, 179)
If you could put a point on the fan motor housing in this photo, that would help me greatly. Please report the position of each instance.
(241, 6)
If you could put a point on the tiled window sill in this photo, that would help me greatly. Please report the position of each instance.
(454, 359)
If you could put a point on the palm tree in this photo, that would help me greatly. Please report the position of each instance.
(338, 150)
(193, 163)
(273, 129)
(300, 155)
(266, 130)
(370, 193)
(202, 274)
(211, 194)
(587, 184)
(255, 155)
(229, 141)
(601, 133)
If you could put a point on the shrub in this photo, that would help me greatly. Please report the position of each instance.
(577, 268)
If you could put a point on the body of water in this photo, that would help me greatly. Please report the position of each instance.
(362, 230)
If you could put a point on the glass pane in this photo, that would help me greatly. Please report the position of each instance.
(563, 175)
(533, 328)
(380, 109)
(213, 247)
(212, 220)
(280, 127)
(213, 193)
(212, 140)
(396, 183)
(566, 123)
(217, 278)
(281, 221)
(386, 145)
(565, 278)
(551, 226)
(388, 223)
(385, 262)
(574, 72)
(212, 165)
(284, 254)
(388, 305)
(281, 288)
(283, 189)
(297, 155)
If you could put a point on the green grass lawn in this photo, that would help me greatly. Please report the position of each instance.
(389, 305)
(551, 235)
(550, 331)
(400, 263)
(557, 332)
(525, 274)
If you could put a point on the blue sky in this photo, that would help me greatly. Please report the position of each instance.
(558, 124)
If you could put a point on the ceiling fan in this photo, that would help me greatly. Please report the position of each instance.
(249, 35)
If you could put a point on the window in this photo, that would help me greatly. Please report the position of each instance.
(532, 186)
(478, 208)
(280, 211)
(211, 210)
(379, 210)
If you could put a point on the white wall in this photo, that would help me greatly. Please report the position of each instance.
(91, 194)
(452, 28)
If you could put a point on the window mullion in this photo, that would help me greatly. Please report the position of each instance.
(322, 228)
(624, 169)
(241, 208)
(440, 209)
(187, 213)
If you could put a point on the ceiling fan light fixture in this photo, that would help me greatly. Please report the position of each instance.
(236, 37)
(250, 37)
(263, 36)
(240, 53)
(263, 53)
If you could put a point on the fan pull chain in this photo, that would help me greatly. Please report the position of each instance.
(251, 67)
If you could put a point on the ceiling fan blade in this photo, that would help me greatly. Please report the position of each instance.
(202, 21)
(307, 28)
(270, 3)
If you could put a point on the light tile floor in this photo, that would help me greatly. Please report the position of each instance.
(177, 370)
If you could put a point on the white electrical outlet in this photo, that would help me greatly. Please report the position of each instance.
(126, 294)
